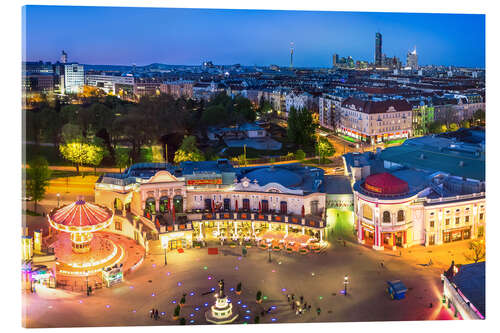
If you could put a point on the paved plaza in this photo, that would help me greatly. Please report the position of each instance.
(317, 277)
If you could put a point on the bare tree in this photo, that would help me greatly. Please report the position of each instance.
(477, 250)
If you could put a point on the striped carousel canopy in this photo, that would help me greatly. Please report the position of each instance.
(81, 214)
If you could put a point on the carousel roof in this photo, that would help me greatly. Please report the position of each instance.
(81, 214)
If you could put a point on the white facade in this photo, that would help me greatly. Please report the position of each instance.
(74, 78)
(108, 82)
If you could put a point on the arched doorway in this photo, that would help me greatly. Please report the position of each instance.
(178, 204)
(150, 205)
(164, 204)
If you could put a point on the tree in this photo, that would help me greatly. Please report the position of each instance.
(37, 179)
(95, 154)
(436, 127)
(477, 250)
(121, 158)
(325, 149)
(300, 155)
(81, 153)
(453, 127)
(301, 128)
(188, 151)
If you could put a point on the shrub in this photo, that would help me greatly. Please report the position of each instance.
(177, 311)
(300, 155)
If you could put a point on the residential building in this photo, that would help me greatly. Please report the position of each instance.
(376, 121)
(109, 83)
(178, 89)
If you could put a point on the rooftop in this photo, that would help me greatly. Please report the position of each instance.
(471, 281)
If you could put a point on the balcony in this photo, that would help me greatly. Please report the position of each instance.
(309, 220)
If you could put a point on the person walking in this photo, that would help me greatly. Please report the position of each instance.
(301, 299)
(288, 297)
(305, 305)
(152, 313)
(156, 314)
(293, 297)
(309, 308)
(318, 310)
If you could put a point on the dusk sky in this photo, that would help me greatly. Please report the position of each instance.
(122, 36)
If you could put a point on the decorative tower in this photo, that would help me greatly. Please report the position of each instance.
(222, 311)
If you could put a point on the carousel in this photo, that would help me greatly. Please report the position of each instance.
(81, 250)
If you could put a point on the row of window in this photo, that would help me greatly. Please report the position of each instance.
(386, 215)
(457, 220)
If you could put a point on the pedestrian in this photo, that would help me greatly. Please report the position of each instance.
(152, 313)
(297, 312)
(301, 299)
(430, 305)
(293, 305)
(382, 264)
(318, 310)
(288, 298)
(309, 307)
(305, 305)
(293, 297)
(300, 311)
(156, 314)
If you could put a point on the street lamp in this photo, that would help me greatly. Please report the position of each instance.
(87, 274)
(346, 282)
(58, 197)
(269, 251)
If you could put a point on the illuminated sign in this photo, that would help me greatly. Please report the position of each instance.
(373, 188)
(216, 181)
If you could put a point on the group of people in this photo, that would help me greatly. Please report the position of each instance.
(154, 314)
(299, 306)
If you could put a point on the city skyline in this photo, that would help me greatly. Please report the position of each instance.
(205, 34)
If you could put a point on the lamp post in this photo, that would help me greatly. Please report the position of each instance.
(165, 256)
(269, 251)
(87, 275)
(58, 197)
(346, 282)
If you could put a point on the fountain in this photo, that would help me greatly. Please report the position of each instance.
(222, 311)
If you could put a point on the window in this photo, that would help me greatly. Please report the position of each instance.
(481, 216)
(367, 212)
(431, 224)
(314, 207)
(401, 215)
(467, 219)
(118, 225)
(265, 206)
(457, 220)
(246, 204)
(283, 208)
(386, 217)
(447, 221)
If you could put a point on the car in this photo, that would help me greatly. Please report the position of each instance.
(27, 198)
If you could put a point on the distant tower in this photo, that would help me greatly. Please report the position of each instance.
(378, 49)
(64, 57)
(412, 59)
(291, 55)
(335, 59)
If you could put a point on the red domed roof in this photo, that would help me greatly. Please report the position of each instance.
(385, 183)
(81, 214)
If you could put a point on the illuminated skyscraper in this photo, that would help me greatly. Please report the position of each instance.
(291, 55)
(412, 59)
(378, 49)
(335, 59)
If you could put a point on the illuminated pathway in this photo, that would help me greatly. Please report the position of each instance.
(319, 278)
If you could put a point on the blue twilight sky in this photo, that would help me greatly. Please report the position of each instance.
(114, 35)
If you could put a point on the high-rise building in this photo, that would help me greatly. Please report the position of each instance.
(64, 57)
(74, 79)
(335, 60)
(291, 55)
(412, 59)
(378, 49)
